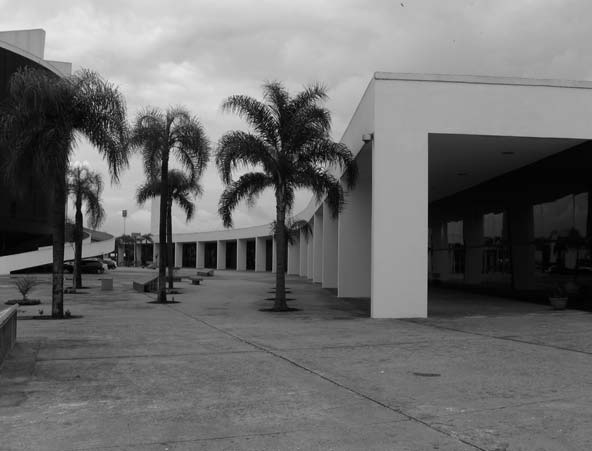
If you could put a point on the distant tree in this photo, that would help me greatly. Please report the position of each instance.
(159, 135)
(289, 149)
(181, 189)
(86, 186)
(40, 122)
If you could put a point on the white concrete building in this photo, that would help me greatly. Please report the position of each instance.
(435, 152)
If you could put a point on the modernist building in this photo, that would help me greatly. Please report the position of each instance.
(479, 180)
(25, 230)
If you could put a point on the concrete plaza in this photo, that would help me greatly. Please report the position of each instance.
(213, 372)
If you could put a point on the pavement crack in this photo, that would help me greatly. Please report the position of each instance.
(331, 381)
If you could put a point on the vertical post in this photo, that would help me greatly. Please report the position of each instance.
(294, 257)
(317, 236)
(221, 255)
(260, 254)
(330, 232)
(303, 254)
(310, 256)
(354, 234)
(178, 255)
(273, 256)
(241, 255)
(200, 257)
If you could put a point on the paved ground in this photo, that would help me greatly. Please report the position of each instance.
(212, 372)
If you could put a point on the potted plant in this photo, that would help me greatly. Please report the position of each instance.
(558, 297)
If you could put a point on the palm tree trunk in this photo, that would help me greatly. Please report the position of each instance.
(58, 238)
(77, 277)
(170, 257)
(280, 239)
(162, 254)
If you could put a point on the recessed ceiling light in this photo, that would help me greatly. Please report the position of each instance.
(508, 152)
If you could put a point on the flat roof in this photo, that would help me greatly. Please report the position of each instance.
(483, 79)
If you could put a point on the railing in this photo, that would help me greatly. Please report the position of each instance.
(7, 331)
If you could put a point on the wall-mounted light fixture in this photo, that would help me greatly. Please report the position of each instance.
(367, 137)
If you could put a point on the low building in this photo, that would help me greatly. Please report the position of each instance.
(464, 179)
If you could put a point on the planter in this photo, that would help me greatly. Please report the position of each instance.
(558, 303)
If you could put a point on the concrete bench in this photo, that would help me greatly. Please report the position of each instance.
(146, 287)
(205, 272)
(196, 280)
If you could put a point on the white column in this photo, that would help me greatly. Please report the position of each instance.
(521, 224)
(221, 255)
(241, 255)
(329, 276)
(399, 218)
(473, 239)
(354, 234)
(317, 275)
(178, 255)
(440, 252)
(273, 256)
(309, 256)
(303, 241)
(294, 257)
(260, 256)
(200, 257)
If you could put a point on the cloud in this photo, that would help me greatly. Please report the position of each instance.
(196, 53)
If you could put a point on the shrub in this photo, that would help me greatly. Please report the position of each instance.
(26, 284)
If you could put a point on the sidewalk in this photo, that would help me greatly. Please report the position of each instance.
(214, 373)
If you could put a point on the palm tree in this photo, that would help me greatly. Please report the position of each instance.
(40, 121)
(289, 148)
(86, 186)
(181, 189)
(160, 135)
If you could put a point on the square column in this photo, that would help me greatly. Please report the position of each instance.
(241, 255)
(399, 217)
(473, 238)
(200, 257)
(303, 241)
(221, 255)
(521, 224)
(329, 275)
(294, 257)
(178, 254)
(260, 254)
(354, 234)
(440, 252)
(317, 275)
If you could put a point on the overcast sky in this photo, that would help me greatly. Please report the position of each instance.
(196, 53)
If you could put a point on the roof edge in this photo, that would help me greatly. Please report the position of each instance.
(483, 79)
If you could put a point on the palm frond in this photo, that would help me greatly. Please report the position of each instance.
(257, 114)
(247, 187)
(238, 149)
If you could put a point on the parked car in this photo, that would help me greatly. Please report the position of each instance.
(87, 265)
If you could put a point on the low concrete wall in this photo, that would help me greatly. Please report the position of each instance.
(7, 331)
